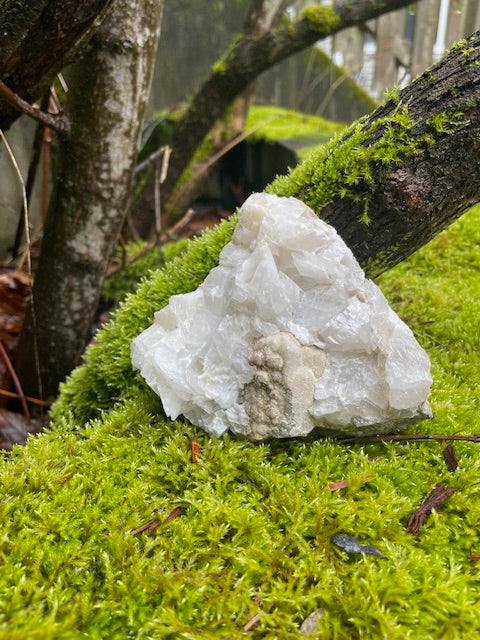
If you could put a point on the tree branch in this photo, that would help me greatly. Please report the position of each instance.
(248, 57)
(394, 180)
(38, 39)
(58, 124)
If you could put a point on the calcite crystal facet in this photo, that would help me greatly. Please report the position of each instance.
(285, 337)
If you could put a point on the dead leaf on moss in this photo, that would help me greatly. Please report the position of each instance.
(341, 484)
(450, 457)
(344, 484)
(196, 451)
(15, 429)
(151, 526)
(434, 500)
(14, 297)
(252, 621)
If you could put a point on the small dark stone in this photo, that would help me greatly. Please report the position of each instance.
(351, 545)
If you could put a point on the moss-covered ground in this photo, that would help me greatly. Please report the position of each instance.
(254, 537)
(274, 123)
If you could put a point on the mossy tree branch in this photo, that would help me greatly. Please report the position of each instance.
(251, 54)
(394, 180)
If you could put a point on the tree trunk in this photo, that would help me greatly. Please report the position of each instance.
(38, 39)
(396, 179)
(247, 58)
(105, 107)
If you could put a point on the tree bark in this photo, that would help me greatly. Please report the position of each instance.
(38, 39)
(105, 106)
(398, 178)
(248, 57)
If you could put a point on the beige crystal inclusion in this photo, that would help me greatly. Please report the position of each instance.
(285, 337)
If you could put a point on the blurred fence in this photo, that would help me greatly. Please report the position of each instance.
(400, 45)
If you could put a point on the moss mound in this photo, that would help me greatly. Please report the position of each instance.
(274, 123)
(254, 534)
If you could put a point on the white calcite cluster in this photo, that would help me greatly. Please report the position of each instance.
(285, 337)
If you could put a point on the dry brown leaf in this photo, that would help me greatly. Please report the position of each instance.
(151, 526)
(196, 451)
(434, 500)
(450, 457)
(14, 298)
(252, 621)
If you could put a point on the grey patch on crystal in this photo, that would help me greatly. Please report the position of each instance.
(278, 398)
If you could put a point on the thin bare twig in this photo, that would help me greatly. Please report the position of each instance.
(399, 437)
(183, 222)
(16, 381)
(152, 158)
(24, 195)
(233, 143)
(58, 124)
(158, 212)
(11, 394)
(252, 621)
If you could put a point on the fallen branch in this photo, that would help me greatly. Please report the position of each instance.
(57, 124)
(402, 437)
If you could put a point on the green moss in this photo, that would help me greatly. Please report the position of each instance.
(125, 281)
(462, 46)
(274, 123)
(321, 18)
(344, 166)
(255, 534)
(447, 122)
(220, 67)
(393, 94)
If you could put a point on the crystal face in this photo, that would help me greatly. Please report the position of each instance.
(285, 337)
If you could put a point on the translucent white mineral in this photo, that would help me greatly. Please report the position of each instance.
(286, 336)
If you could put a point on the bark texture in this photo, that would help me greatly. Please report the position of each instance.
(250, 55)
(415, 161)
(38, 39)
(105, 107)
